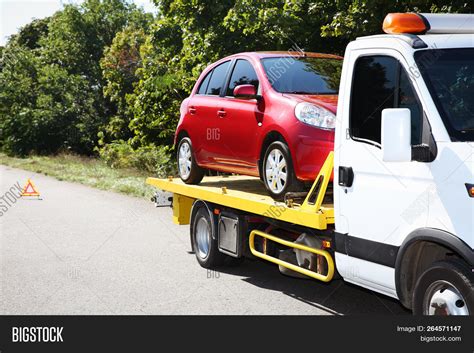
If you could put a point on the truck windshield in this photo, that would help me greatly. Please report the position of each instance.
(449, 75)
(303, 75)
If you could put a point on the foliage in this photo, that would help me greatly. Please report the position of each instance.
(51, 80)
(155, 160)
(119, 65)
(359, 18)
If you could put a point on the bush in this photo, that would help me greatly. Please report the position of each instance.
(158, 161)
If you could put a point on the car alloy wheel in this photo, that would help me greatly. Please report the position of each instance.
(184, 160)
(276, 171)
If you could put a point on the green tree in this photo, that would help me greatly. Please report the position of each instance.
(29, 35)
(119, 65)
(52, 84)
(357, 18)
(18, 83)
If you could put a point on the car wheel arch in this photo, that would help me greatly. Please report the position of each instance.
(270, 137)
(180, 135)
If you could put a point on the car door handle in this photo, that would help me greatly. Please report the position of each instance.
(192, 110)
(346, 176)
(221, 113)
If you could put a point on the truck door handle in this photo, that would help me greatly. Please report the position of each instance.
(192, 110)
(221, 113)
(346, 176)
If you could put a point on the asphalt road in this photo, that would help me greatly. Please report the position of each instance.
(84, 251)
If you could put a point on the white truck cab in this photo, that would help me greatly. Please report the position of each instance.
(404, 159)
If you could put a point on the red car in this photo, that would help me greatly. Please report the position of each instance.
(266, 114)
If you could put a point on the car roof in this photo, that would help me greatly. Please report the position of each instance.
(277, 54)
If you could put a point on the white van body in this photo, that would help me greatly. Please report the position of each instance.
(406, 199)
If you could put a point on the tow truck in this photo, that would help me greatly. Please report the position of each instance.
(398, 217)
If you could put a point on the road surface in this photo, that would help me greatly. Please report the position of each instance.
(81, 250)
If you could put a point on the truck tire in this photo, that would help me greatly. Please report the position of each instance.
(203, 239)
(276, 185)
(188, 170)
(445, 288)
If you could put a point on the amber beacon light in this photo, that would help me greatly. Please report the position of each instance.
(470, 189)
(404, 23)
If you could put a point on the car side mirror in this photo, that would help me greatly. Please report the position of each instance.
(245, 92)
(396, 135)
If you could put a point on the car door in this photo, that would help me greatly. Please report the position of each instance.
(238, 121)
(386, 200)
(203, 110)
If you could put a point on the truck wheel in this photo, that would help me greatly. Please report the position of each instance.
(203, 239)
(445, 288)
(278, 173)
(189, 171)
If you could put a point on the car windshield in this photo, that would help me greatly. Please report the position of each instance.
(303, 75)
(449, 75)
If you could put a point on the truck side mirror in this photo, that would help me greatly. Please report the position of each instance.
(396, 135)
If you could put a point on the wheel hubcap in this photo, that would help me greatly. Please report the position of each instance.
(203, 238)
(442, 298)
(184, 160)
(276, 171)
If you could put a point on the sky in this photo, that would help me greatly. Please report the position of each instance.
(16, 13)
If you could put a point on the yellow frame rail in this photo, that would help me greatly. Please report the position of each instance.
(247, 194)
(324, 278)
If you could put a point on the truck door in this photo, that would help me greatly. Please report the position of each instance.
(383, 201)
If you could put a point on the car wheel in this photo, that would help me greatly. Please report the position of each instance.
(204, 240)
(445, 288)
(188, 170)
(278, 173)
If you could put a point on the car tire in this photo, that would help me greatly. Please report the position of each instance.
(188, 170)
(276, 163)
(445, 288)
(204, 240)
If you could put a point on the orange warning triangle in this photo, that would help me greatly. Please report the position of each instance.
(29, 189)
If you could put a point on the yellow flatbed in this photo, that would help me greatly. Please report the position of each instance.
(248, 194)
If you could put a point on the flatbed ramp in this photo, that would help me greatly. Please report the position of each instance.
(248, 194)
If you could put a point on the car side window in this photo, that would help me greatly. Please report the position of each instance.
(204, 83)
(380, 82)
(217, 79)
(242, 74)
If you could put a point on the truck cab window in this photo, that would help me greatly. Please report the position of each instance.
(381, 82)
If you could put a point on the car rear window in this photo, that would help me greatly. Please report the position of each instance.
(204, 83)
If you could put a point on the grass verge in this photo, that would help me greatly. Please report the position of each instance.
(88, 171)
